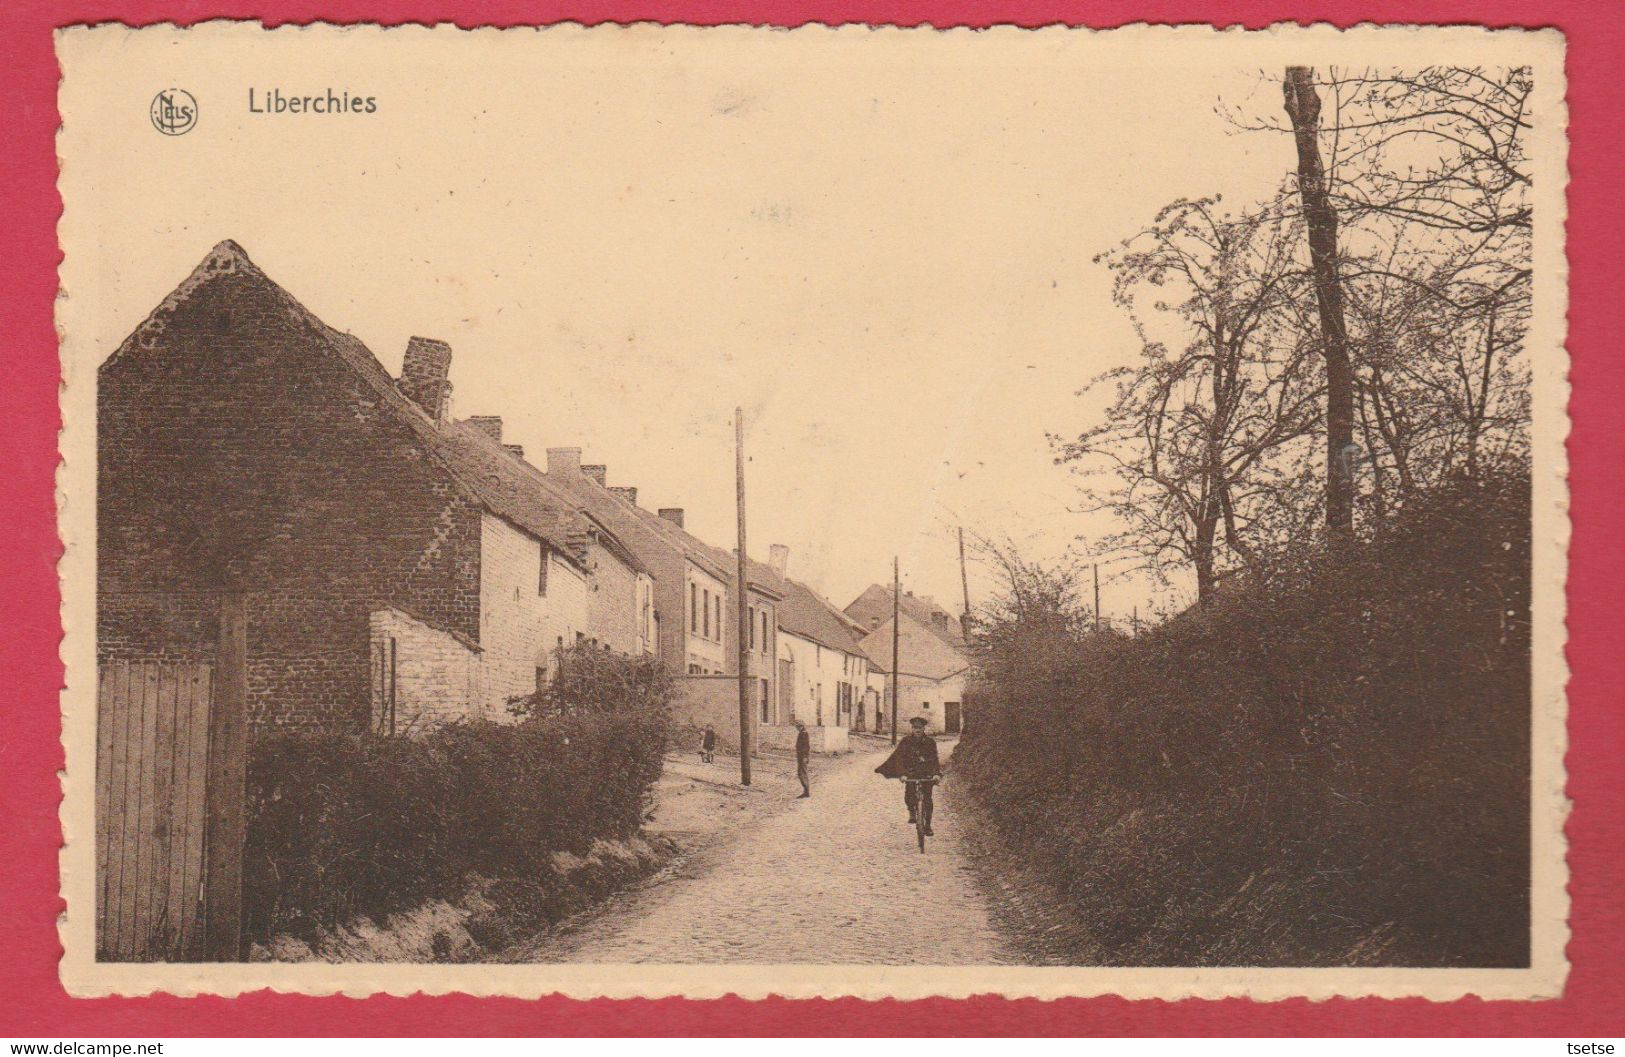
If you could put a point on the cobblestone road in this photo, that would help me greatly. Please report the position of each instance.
(833, 879)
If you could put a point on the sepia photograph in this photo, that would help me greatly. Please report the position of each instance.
(654, 510)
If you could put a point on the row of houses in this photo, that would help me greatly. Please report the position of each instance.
(404, 567)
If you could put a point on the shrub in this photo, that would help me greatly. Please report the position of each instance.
(1328, 765)
(342, 825)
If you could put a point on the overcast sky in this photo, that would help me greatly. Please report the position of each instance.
(883, 254)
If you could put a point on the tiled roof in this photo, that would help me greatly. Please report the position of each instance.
(806, 613)
(874, 607)
(487, 474)
(636, 526)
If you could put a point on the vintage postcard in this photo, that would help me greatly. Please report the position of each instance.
(660, 510)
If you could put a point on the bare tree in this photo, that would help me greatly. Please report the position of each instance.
(1188, 448)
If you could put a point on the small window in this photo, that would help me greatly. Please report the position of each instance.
(541, 574)
(541, 678)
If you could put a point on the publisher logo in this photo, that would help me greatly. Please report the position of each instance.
(174, 111)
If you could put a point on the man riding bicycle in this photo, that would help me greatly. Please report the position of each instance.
(915, 758)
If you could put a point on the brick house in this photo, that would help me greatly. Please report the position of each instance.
(399, 567)
(695, 593)
(823, 671)
(932, 655)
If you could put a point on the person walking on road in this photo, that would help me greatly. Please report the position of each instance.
(915, 757)
(803, 752)
(708, 744)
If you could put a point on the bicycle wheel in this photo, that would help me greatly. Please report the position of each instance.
(919, 830)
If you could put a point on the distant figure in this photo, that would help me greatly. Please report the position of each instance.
(915, 757)
(708, 744)
(803, 752)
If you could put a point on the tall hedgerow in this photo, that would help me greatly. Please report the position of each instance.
(1325, 765)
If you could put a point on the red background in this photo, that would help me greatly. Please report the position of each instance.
(32, 1002)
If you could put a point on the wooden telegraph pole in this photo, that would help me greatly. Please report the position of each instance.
(1097, 596)
(742, 632)
(226, 799)
(896, 607)
(964, 582)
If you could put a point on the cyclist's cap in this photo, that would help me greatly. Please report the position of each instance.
(918, 721)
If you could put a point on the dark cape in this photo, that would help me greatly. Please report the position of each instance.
(914, 757)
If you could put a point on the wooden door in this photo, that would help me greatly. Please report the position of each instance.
(787, 691)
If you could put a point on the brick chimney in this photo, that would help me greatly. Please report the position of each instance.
(597, 472)
(674, 514)
(516, 450)
(628, 494)
(566, 462)
(490, 425)
(778, 556)
(424, 372)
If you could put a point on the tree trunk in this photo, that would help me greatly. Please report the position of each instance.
(1202, 553)
(1320, 220)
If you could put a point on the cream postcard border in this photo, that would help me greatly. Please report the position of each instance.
(1399, 46)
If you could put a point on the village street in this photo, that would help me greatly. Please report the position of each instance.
(836, 878)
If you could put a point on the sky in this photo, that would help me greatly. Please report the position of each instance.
(884, 255)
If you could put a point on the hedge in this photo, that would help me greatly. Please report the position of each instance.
(1327, 766)
(342, 826)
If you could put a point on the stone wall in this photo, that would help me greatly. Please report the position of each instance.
(714, 699)
(435, 676)
(819, 739)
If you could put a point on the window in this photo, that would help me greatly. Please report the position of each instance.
(753, 629)
(541, 569)
(693, 610)
(764, 631)
(541, 678)
(718, 625)
(926, 705)
(708, 613)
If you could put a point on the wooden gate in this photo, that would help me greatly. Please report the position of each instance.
(152, 762)
(171, 759)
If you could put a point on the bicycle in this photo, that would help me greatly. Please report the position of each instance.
(920, 821)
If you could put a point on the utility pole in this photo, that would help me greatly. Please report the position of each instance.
(896, 630)
(1097, 598)
(742, 631)
(964, 582)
